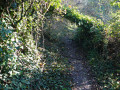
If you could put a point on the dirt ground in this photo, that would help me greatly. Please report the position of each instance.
(82, 78)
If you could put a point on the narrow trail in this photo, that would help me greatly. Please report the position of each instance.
(80, 74)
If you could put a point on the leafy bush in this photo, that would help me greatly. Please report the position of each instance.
(90, 31)
(113, 31)
(102, 44)
(16, 56)
(21, 62)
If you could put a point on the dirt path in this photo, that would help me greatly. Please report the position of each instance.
(80, 74)
(80, 71)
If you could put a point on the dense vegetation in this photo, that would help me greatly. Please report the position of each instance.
(101, 9)
(24, 61)
(102, 43)
(27, 63)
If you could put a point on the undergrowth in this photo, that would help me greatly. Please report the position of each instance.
(101, 43)
(24, 65)
(50, 72)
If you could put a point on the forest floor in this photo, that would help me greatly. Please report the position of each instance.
(80, 72)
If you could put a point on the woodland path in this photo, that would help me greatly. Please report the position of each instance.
(80, 71)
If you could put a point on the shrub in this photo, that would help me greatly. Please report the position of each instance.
(90, 31)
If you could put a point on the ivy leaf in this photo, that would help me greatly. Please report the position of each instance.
(25, 81)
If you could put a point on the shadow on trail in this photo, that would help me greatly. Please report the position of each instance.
(82, 78)
(80, 74)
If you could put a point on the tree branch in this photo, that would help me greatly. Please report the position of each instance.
(25, 11)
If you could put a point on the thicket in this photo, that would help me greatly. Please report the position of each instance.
(101, 9)
(23, 57)
(90, 30)
(102, 43)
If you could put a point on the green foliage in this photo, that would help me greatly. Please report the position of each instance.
(104, 70)
(16, 55)
(116, 3)
(90, 31)
(102, 43)
(22, 64)
(113, 37)
(100, 9)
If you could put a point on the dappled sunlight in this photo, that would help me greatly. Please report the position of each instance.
(57, 29)
(58, 45)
